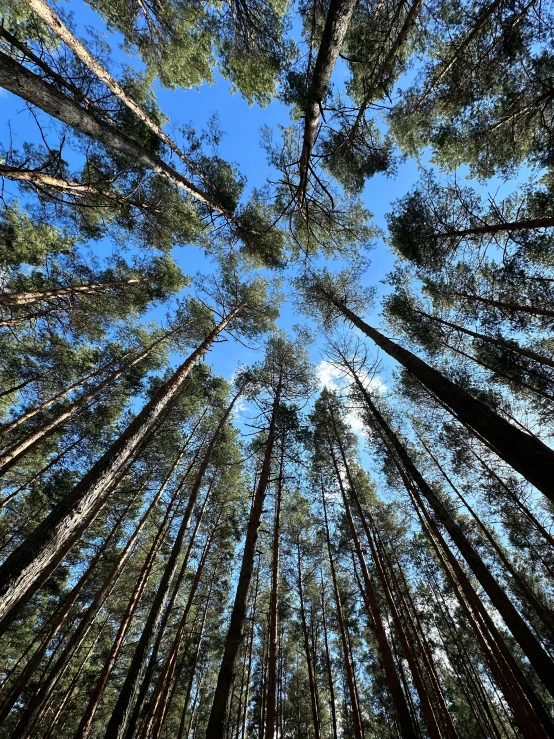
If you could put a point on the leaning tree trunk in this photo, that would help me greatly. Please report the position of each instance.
(377, 82)
(526, 224)
(52, 20)
(407, 729)
(39, 702)
(59, 617)
(220, 705)
(540, 660)
(36, 436)
(47, 545)
(358, 732)
(122, 710)
(502, 343)
(527, 455)
(32, 88)
(512, 307)
(12, 300)
(334, 31)
(528, 711)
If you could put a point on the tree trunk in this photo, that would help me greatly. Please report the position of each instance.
(29, 86)
(384, 69)
(395, 689)
(528, 456)
(58, 619)
(39, 702)
(358, 733)
(519, 629)
(533, 602)
(121, 713)
(35, 437)
(48, 544)
(328, 664)
(273, 605)
(38, 296)
(529, 713)
(334, 31)
(138, 589)
(81, 52)
(167, 671)
(41, 180)
(307, 650)
(502, 343)
(512, 307)
(482, 19)
(527, 224)
(220, 706)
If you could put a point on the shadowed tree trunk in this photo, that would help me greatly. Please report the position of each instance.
(406, 726)
(358, 733)
(527, 455)
(121, 713)
(48, 544)
(307, 650)
(334, 31)
(220, 707)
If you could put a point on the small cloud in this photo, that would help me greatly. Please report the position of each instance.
(332, 378)
(328, 376)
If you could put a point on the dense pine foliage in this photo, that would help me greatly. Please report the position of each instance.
(346, 531)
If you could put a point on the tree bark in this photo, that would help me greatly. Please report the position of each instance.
(527, 455)
(45, 12)
(328, 664)
(34, 438)
(38, 296)
(403, 717)
(29, 86)
(122, 719)
(540, 660)
(220, 706)
(334, 31)
(47, 545)
(307, 650)
(358, 733)
(274, 604)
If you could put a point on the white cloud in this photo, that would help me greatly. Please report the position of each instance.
(330, 377)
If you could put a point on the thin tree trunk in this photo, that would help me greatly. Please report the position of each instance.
(38, 296)
(526, 224)
(395, 689)
(48, 15)
(164, 678)
(121, 714)
(328, 664)
(482, 19)
(342, 630)
(220, 706)
(41, 180)
(274, 605)
(528, 456)
(512, 307)
(384, 69)
(48, 544)
(519, 629)
(40, 700)
(138, 589)
(59, 617)
(502, 343)
(307, 650)
(36, 436)
(541, 610)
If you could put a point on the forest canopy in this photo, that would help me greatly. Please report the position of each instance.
(276, 369)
